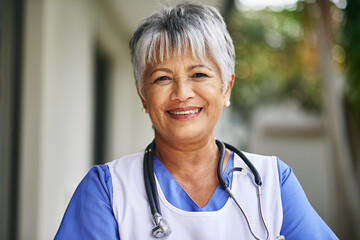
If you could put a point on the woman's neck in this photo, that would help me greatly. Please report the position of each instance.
(194, 166)
(187, 157)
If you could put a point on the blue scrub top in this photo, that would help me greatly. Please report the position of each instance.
(90, 216)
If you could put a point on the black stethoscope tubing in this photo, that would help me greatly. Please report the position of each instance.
(222, 146)
(162, 227)
(149, 179)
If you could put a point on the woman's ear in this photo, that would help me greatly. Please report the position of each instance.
(229, 87)
(140, 92)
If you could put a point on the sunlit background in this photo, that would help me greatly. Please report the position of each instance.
(68, 100)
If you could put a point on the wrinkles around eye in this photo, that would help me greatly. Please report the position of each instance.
(195, 76)
(161, 79)
(200, 75)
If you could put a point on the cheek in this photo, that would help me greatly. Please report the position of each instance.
(156, 98)
(211, 91)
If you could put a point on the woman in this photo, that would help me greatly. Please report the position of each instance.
(183, 60)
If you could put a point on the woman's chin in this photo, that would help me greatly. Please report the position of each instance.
(190, 135)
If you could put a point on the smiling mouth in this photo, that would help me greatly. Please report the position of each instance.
(187, 112)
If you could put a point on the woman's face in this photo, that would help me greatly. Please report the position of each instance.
(184, 97)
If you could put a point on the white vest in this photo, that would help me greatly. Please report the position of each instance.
(132, 211)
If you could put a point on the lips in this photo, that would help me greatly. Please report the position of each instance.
(184, 113)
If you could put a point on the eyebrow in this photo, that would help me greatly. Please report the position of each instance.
(161, 69)
(189, 68)
(199, 66)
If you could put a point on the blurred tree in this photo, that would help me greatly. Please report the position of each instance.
(296, 54)
(277, 58)
(352, 47)
(350, 39)
(348, 204)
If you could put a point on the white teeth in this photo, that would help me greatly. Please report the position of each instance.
(185, 112)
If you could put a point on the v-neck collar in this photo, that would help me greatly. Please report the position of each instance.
(178, 197)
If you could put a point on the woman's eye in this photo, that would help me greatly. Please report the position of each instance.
(161, 79)
(200, 75)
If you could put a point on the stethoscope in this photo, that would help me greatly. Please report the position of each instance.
(162, 227)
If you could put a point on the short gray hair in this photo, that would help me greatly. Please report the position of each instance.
(170, 31)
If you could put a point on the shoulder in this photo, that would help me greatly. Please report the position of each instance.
(134, 158)
(98, 172)
(258, 156)
(126, 171)
(265, 165)
(304, 224)
(91, 201)
(258, 159)
(125, 166)
(260, 165)
(98, 178)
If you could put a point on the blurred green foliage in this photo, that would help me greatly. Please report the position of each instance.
(276, 57)
(351, 42)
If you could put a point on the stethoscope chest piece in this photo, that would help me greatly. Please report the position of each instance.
(162, 227)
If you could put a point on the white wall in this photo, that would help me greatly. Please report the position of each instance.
(57, 106)
(129, 128)
(31, 122)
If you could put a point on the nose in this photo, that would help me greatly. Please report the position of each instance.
(182, 90)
